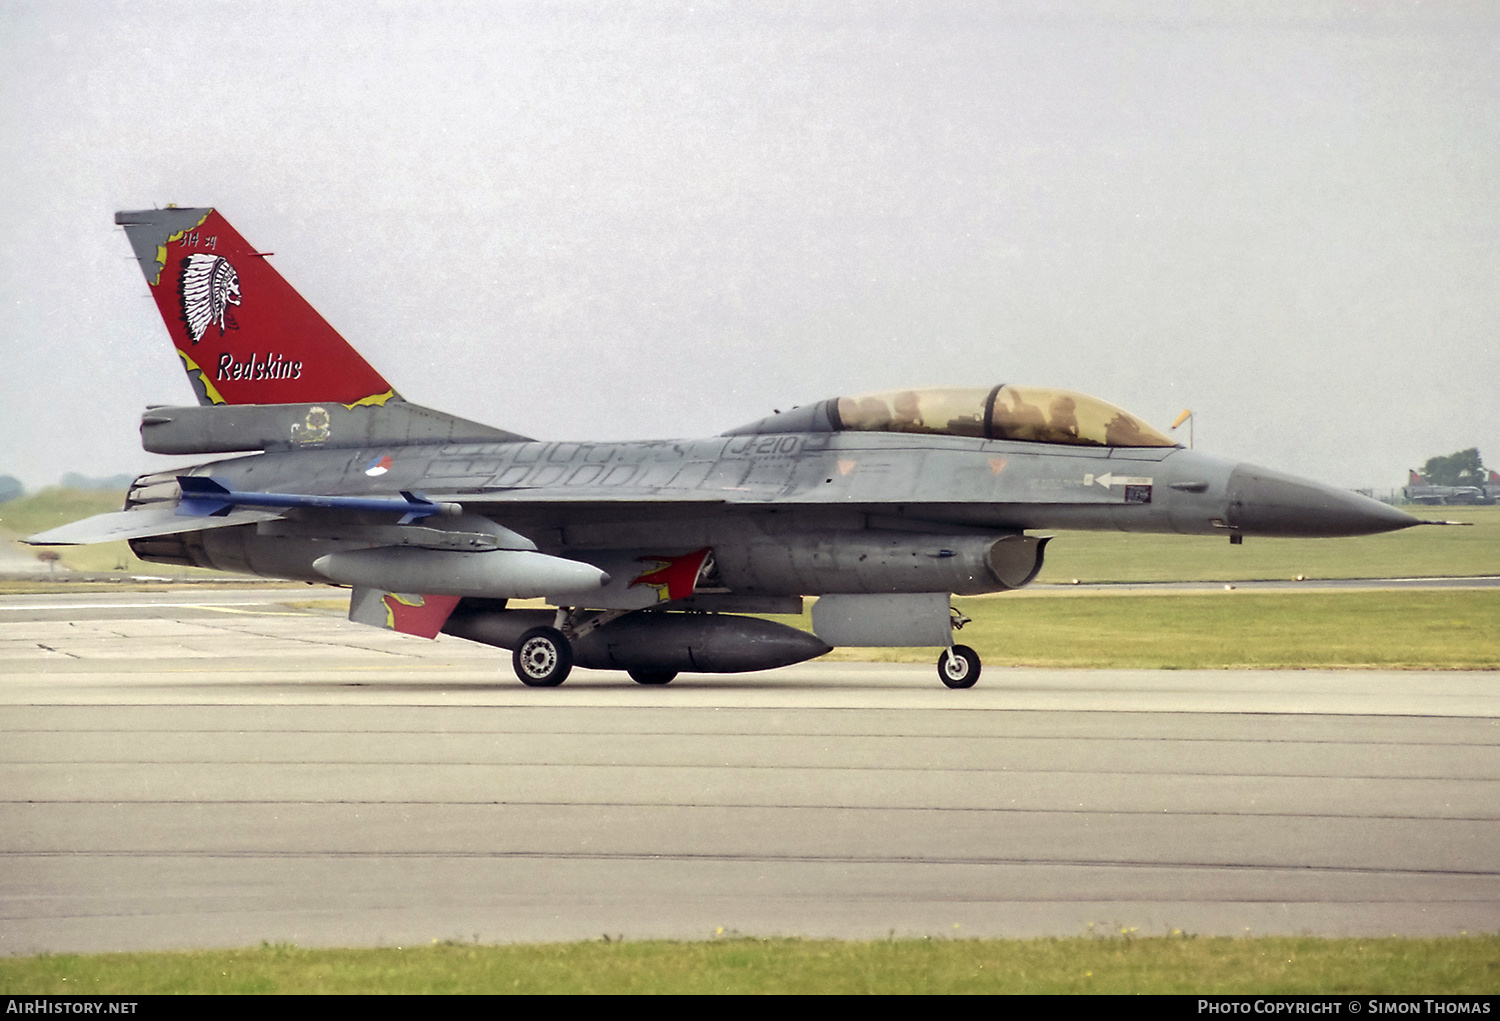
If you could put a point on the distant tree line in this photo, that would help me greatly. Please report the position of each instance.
(1463, 468)
(73, 480)
(11, 487)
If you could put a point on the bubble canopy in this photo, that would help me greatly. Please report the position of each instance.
(1032, 414)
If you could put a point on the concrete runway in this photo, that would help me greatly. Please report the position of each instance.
(209, 767)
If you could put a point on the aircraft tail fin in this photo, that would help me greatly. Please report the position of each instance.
(243, 334)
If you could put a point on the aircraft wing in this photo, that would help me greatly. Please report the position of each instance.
(143, 523)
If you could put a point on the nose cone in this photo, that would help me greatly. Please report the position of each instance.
(1265, 502)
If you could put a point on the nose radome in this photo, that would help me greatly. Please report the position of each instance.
(1265, 502)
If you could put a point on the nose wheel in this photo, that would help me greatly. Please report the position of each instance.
(958, 667)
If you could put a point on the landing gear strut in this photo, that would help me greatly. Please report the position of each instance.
(958, 666)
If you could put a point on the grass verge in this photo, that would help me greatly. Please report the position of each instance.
(1432, 629)
(1411, 553)
(1177, 964)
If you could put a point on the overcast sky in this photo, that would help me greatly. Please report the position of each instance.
(613, 220)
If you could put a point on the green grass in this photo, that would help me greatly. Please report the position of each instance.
(1123, 964)
(55, 506)
(1411, 553)
(1431, 629)
(1428, 629)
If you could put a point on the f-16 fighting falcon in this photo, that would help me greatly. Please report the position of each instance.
(1419, 490)
(651, 554)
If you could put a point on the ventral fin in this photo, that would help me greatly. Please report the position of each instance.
(410, 614)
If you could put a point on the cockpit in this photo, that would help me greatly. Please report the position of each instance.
(1033, 414)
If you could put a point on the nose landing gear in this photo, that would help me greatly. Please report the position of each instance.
(958, 665)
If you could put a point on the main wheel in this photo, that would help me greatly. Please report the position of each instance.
(651, 676)
(959, 667)
(542, 658)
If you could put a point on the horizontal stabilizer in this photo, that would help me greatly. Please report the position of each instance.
(203, 496)
(142, 524)
(226, 428)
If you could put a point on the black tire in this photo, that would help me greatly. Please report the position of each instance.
(652, 676)
(961, 669)
(542, 658)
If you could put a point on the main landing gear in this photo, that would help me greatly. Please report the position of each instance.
(543, 658)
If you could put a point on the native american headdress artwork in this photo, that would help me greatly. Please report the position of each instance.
(209, 285)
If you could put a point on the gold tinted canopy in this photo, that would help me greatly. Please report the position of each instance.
(1031, 413)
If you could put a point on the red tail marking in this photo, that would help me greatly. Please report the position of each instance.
(242, 330)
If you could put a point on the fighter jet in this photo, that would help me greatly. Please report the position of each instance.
(648, 556)
(1419, 490)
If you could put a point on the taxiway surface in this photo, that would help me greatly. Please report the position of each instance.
(219, 768)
